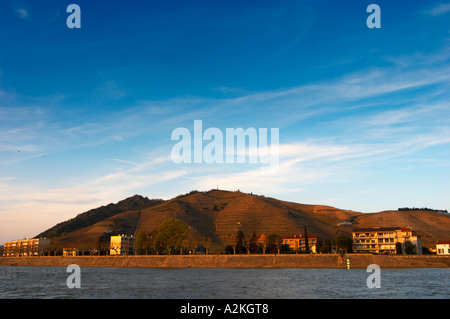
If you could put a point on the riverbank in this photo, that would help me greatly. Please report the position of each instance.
(236, 261)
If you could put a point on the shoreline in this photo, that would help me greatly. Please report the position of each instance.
(234, 261)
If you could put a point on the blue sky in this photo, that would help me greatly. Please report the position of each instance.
(86, 114)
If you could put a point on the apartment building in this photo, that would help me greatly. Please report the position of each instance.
(298, 242)
(122, 245)
(25, 247)
(386, 240)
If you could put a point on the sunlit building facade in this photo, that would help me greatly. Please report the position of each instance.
(122, 245)
(386, 240)
(298, 242)
(25, 247)
(443, 248)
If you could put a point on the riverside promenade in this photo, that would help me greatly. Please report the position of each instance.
(236, 261)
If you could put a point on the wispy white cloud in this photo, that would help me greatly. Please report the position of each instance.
(364, 120)
(23, 13)
(440, 9)
(36, 130)
(420, 113)
(37, 207)
(226, 89)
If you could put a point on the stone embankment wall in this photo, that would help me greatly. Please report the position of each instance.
(236, 261)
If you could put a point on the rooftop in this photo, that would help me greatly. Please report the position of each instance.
(371, 229)
(298, 236)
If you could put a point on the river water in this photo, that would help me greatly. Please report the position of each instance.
(214, 283)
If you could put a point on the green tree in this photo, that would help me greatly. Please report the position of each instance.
(103, 243)
(306, 241)
(171, 232)
(343, 243)
(252, 244)
(229, 250)
(274, 243)
(410, 248)
(398, 248)
(319, 244)
(240, 242)
(206, 243)
(326, 248)
(141, 243)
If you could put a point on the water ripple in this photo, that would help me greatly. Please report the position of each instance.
(212, 283)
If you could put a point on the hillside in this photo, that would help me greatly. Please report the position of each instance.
(219, 214)
(99, 214)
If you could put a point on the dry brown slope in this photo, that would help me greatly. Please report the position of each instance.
(250, 214)
(123, 223)
(259, 214)
(196, 210)
(326, 214)
(220, 214)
